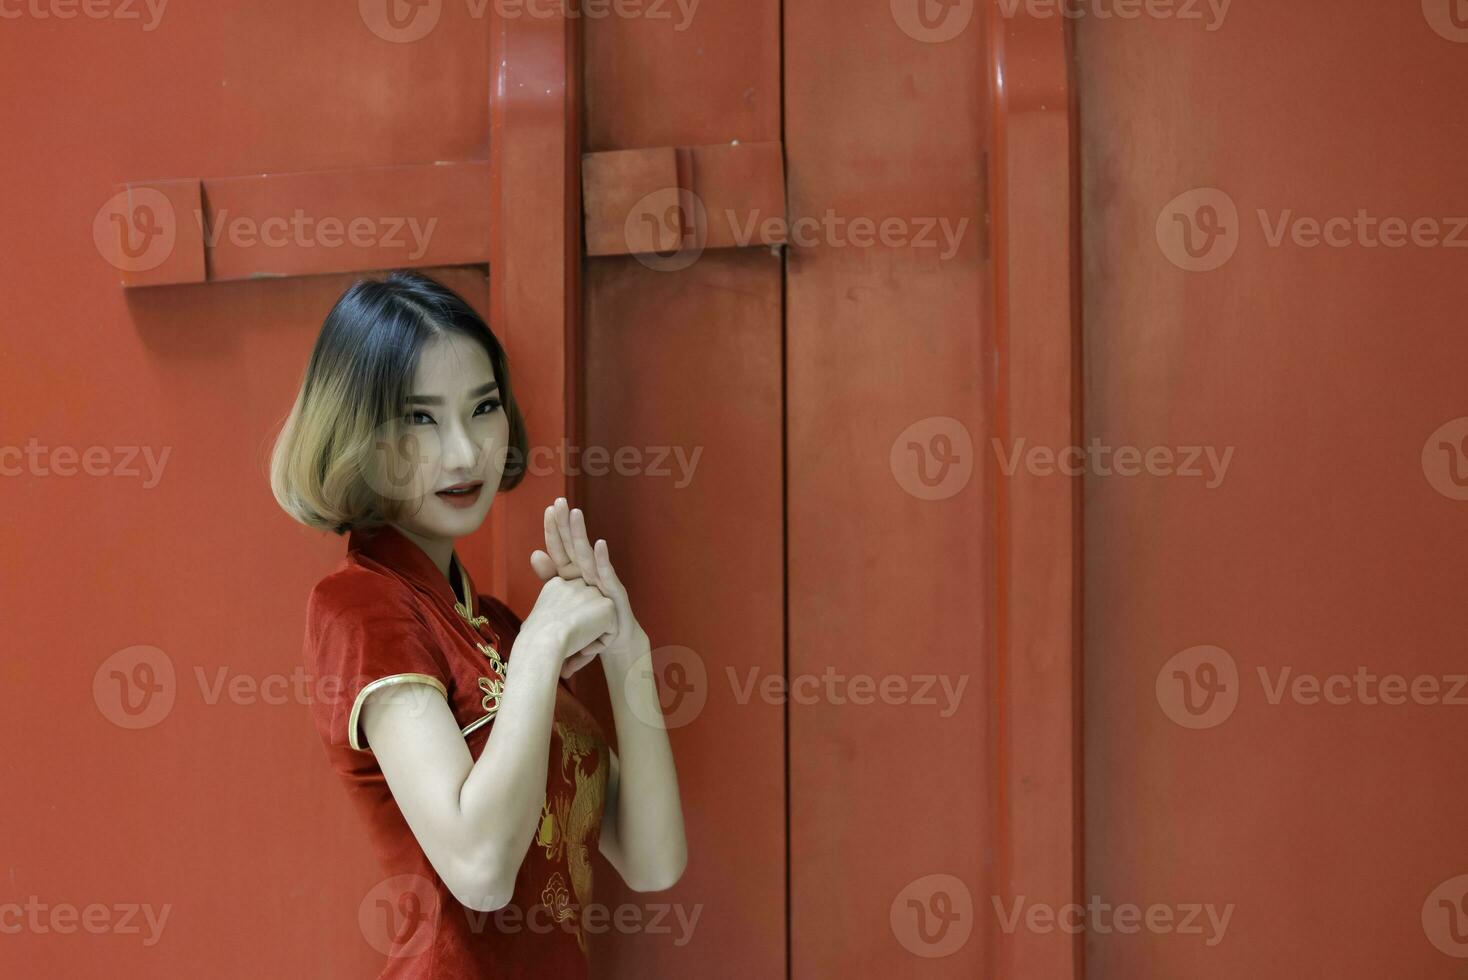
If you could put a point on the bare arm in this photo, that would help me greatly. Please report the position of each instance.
(642, 836)
(475, 820)
(642, 827)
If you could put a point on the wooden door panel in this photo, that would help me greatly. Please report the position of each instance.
(683, 380)
(685, 353)
(1325, 548)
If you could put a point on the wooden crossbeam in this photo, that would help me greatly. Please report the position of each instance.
(298, 224)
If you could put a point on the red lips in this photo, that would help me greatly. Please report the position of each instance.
(461, 494)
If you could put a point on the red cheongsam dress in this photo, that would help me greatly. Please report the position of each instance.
(387, 617)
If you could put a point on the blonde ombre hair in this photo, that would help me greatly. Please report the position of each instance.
(328, 468)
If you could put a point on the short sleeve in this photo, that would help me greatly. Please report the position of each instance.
(364, 635)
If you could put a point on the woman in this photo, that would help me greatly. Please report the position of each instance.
(485, 783)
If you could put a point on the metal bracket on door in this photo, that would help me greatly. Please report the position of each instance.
(667, 199)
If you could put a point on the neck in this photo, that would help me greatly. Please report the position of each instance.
(440, 550)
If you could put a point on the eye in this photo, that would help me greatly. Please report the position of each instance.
(488, 407)
(418, 418)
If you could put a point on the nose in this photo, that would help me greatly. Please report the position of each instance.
(460, 453)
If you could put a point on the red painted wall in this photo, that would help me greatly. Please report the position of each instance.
(220, 812)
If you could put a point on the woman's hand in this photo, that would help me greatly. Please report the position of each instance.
(572, 614)
(569, 555)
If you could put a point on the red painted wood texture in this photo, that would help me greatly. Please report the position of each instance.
(1267, 314)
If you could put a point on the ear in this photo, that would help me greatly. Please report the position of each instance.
(544, 565)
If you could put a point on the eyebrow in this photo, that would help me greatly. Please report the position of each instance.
(483, 389)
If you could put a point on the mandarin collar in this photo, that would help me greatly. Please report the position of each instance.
(391, 548)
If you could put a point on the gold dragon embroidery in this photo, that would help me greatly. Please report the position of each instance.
(567, 823)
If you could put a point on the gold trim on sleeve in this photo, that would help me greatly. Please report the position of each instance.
(378, 685)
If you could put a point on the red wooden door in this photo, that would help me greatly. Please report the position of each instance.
(1273, 217)
(882, 639)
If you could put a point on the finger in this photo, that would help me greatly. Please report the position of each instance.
(609, 582)
(562, 511)
(556, 547)
(576, 661)
(582, 545)
(544, 565)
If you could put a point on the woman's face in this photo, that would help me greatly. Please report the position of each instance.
(456, 440)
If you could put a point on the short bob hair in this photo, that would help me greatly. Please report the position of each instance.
(354, 398)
